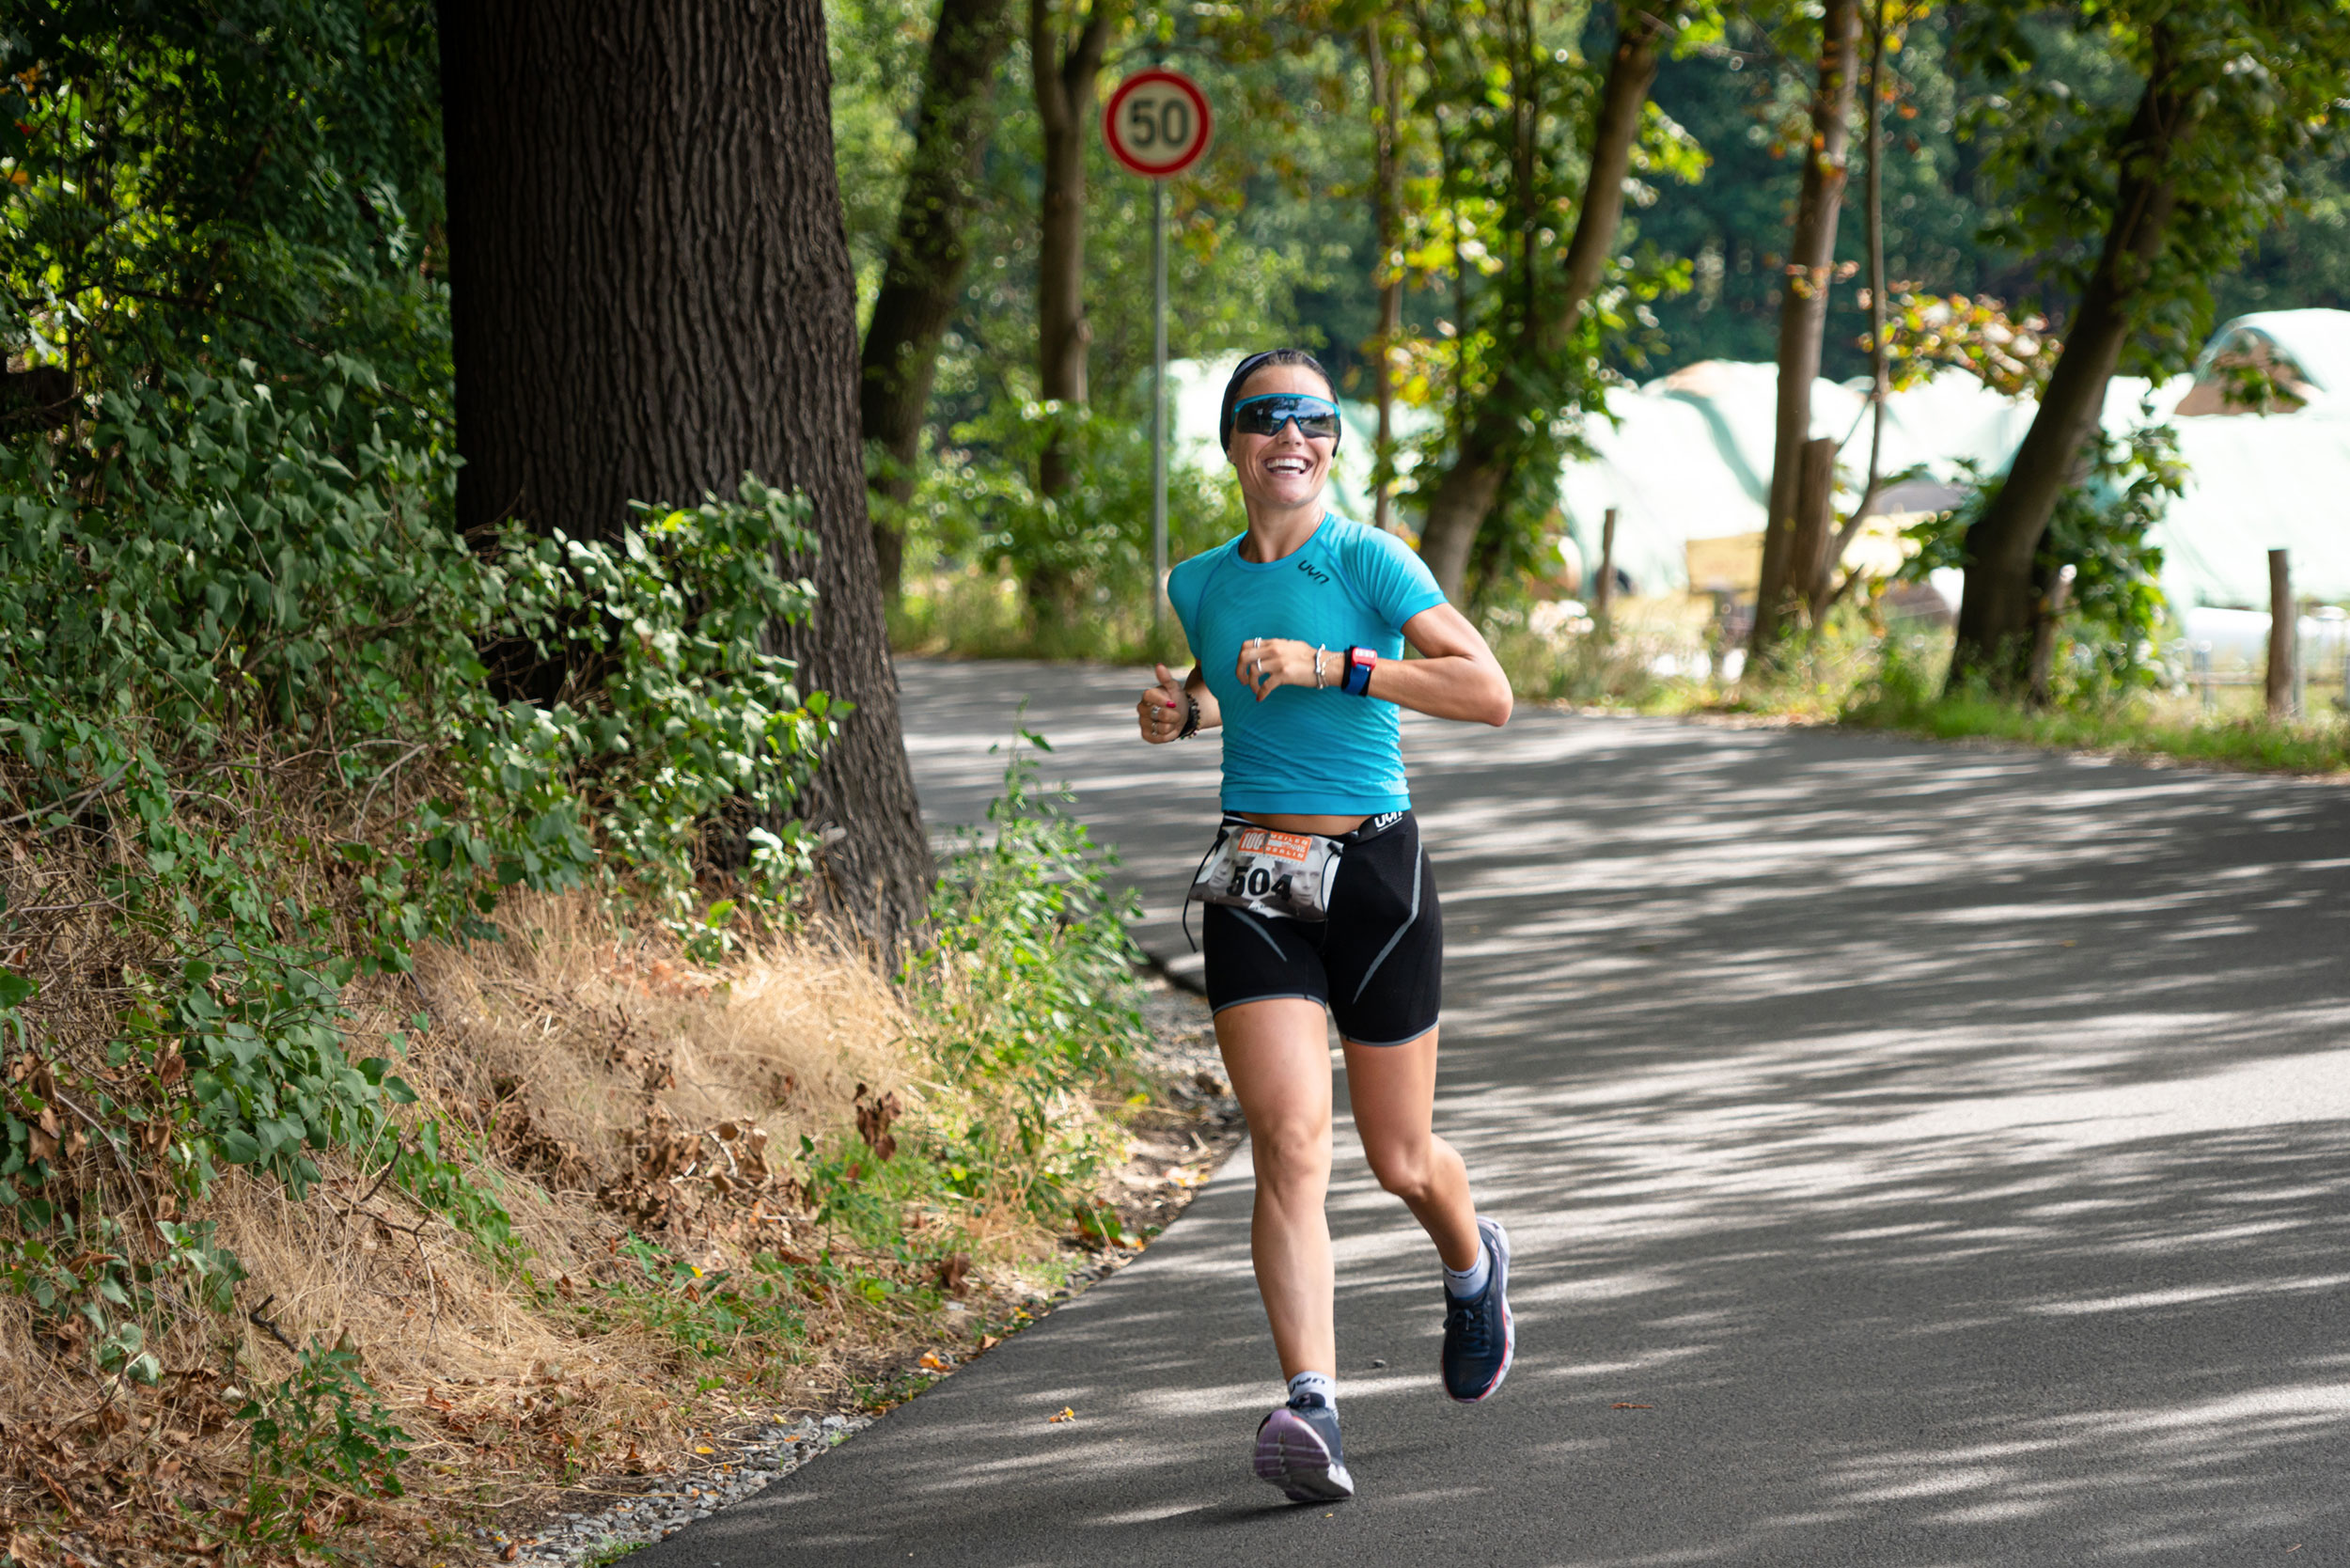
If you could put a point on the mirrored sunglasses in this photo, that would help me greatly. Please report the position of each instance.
(1265, 414)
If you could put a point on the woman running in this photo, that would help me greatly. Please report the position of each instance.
(1318, 897)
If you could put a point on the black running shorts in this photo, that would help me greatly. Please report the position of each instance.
(1377, 963)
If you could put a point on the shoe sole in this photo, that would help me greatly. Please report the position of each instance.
(1293, 1456)
(1508, 1326)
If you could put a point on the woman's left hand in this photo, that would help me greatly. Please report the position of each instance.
(1265, 663)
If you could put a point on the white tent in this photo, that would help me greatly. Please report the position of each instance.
(1688, 457)
(2256, 483)
(2307, 352)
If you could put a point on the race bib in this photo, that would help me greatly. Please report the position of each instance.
(1270, 873)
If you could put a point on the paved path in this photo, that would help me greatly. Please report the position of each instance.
(1942, 1151)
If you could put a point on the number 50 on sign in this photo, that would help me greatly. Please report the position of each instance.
(1156, 123)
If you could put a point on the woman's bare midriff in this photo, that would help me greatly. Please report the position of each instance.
(1289, 821)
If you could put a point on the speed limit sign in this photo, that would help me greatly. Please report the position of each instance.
(1156, 123)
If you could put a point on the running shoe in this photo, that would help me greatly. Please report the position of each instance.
(1297, 1450)
(1479, 1337)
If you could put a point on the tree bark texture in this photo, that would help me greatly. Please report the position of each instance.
(1465, 497)
(1815, 524)
(1386, 207)
(650, 293)
(2045, 635)
(1067, 76)
(922, 278)
(1803, 309)
(1998, 611)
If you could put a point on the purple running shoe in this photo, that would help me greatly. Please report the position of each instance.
(1297, 1450)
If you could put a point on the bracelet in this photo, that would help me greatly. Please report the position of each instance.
(1360, 662)
(1191, 718)
(1318, 652)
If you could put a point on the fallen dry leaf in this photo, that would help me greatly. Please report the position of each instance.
(1620, 1405)
(510, 1553)
(1066, 1415)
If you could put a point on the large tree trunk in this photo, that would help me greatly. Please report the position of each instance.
(1463, 498)
(1999, 613)
(1387, 209)
(922, 279)
(651, 295)
(1803, 308)
(1066, 80)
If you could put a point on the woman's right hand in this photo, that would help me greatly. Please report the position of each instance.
(1160, 711)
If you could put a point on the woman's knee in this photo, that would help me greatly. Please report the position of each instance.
(1406, 1170)
(1288, 1150)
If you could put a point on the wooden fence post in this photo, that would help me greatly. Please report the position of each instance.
(1603, 589)
(2284, 625)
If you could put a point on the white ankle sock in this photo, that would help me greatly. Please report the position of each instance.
(1316, 1383)
(1467, 1284)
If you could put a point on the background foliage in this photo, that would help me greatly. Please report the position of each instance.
(1275, 242)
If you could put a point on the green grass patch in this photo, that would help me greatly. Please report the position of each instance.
(1903, 696)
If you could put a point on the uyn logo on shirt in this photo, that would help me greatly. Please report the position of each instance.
(1308, 568)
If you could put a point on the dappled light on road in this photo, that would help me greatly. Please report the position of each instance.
(1912, 1156)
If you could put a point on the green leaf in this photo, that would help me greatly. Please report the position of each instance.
(15, 990)
(237, 1147)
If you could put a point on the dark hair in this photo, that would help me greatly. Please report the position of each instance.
(1250, 367)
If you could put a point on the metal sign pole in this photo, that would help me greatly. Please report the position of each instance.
(1158, 407)
(1157, 125)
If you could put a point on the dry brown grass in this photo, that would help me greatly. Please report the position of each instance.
(569, 1037)
(608, 1088)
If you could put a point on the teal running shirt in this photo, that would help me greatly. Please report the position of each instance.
(1301, 750)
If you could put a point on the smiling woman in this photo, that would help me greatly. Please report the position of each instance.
(1320, 900)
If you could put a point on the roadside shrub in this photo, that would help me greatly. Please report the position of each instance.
(319, 1432)
(249, 745)
(1027, 997)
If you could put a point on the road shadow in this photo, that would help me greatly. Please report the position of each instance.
(1914, 1156)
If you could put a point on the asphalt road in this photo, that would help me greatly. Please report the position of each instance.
(1914, 1156)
